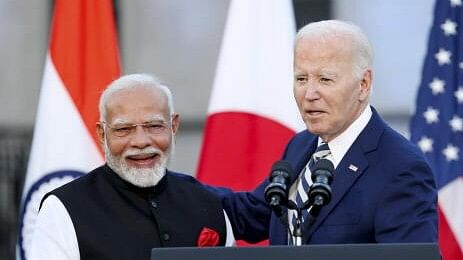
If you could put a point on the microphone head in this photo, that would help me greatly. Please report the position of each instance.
(319, 193)
(323, 164)
(282, 165)
(276, 192)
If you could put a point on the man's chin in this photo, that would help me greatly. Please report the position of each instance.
(316, 128)
(143, 177)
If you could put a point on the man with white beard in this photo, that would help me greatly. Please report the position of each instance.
(133, 203)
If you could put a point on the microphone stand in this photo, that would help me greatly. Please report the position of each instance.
(313, 207)
(298, 226)
(319, 194)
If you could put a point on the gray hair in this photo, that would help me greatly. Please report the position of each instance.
(133, 81)
(361, 46)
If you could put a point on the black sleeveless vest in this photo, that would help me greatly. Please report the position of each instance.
(114, 219)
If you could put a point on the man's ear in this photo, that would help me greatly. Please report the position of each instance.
(175, 123)
(100, 132)
(365, 85)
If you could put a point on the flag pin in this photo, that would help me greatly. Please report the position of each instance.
(353, 168)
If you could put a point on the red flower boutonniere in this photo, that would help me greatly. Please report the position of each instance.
(208, 237)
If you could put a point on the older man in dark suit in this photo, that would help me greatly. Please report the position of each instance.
(383, 190)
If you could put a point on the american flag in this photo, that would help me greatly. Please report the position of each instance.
(437, 126)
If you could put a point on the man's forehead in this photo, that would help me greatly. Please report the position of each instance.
(131, 102)
(138, 91)
(334, 43)
(127, 99)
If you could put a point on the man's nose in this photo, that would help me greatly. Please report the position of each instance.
(311, 91)
(140, 137)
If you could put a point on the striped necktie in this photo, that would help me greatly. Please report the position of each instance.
(305, 180)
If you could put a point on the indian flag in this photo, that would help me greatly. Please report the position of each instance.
(82, 60)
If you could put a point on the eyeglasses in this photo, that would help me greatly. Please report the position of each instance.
(152, 128)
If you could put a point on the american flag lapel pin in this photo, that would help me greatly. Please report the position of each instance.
(353, 168)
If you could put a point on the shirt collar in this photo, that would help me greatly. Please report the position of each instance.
(342, 143)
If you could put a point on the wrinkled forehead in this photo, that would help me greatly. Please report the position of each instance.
(316, 52)
(137, 105)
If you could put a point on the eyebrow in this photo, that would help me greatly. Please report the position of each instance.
(156, 118)
(119, 121)
(328, 73)
(322, 73)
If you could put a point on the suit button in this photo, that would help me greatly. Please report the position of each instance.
(166, 237)
(154, 204)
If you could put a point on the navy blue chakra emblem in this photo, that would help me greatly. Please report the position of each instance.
(31, 203)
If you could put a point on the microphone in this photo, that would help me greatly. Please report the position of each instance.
(319, 193)
(276, 192)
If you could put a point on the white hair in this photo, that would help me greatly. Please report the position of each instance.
(361, 46)
(133, 81)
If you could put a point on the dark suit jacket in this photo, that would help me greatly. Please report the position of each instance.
(390, 198)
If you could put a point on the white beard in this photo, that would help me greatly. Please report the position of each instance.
(140, 177)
